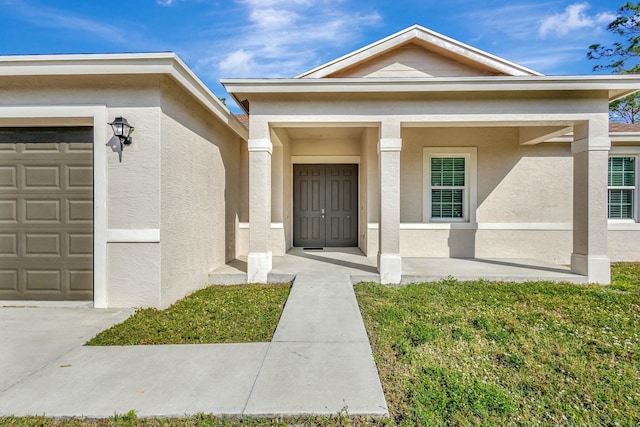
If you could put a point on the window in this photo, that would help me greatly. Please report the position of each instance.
(447, 187)
(449, 184)
(623, 187)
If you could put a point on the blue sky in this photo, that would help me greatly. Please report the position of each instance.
(282, 38)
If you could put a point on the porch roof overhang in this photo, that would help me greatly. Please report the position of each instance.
(122, 64)
(616, 86)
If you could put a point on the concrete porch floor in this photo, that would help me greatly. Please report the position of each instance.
(363, 268)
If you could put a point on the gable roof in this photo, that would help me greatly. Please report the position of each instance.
(428, 39)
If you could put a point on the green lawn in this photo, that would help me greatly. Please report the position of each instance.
(217, 314)
(453, 353)
(478, 353)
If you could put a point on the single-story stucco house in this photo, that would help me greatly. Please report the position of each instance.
(414, 146)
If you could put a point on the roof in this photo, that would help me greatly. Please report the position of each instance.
(430, 40)
(624, 127)
(167, 63)
(244, 119)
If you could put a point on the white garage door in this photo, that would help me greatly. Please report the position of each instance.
(46, 213)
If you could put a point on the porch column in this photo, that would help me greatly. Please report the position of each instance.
(259, 260)
(389, 259)
(590, 164)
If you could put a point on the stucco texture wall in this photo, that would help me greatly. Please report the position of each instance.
(133, 179)
(199, 194)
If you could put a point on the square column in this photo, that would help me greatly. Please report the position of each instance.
(590, 224)
(389, 259)
(259, 260)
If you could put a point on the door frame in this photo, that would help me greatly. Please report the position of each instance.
(89, 115)
(323, 160)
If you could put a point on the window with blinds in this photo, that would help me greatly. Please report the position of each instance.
(623, 187)
(448, 185)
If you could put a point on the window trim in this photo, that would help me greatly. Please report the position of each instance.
(627, 152)
(470, 191)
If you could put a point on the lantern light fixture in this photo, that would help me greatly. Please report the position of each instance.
(122, 129)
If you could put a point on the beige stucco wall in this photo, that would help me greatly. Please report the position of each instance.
(133, 184)
(506, 172)
(133, 274)
(177, 181)
(624, 245)
(199, 193)
(524, 192)
(412, 60)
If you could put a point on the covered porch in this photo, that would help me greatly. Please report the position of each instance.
(362, 268)
(521, 204)
(418, 105)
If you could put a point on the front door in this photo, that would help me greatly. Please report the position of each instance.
(325, 205)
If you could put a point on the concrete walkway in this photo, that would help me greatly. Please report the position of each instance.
(319, 361)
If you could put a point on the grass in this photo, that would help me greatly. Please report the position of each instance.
(478, 353)
(130, 419)
(217, 314)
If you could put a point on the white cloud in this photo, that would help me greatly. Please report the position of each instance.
(239, 62)
(270, 19)
(573, 18)
(64, 20)
(166, 2)
(285, 37)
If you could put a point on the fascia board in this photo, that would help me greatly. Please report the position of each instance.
(417, 32)
(475, 54)
(167, 63)
(459, 84)
(615, 137)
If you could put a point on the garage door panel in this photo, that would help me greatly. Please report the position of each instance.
(78, 148)
(80, 245)
(42, 280)
(8, 177)
(41, 177)
(9, 211)
(42, 245)
(79, 211)
(41, 211)
(8, 245)
(46, 213)
(80, 280)
(38, 148)
(79, 177)
(7, 148)
(8, 280)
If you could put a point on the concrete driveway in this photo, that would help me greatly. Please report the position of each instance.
(33, 337)
(319, 361)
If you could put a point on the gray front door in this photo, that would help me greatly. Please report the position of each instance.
(325, 205)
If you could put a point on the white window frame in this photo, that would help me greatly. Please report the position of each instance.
(627, 152)
(470, 198)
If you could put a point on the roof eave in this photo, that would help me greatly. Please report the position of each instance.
(617, 86)
(167, 63)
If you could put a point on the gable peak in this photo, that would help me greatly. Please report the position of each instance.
(429, 40)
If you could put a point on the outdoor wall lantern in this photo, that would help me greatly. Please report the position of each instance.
(122, 129)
